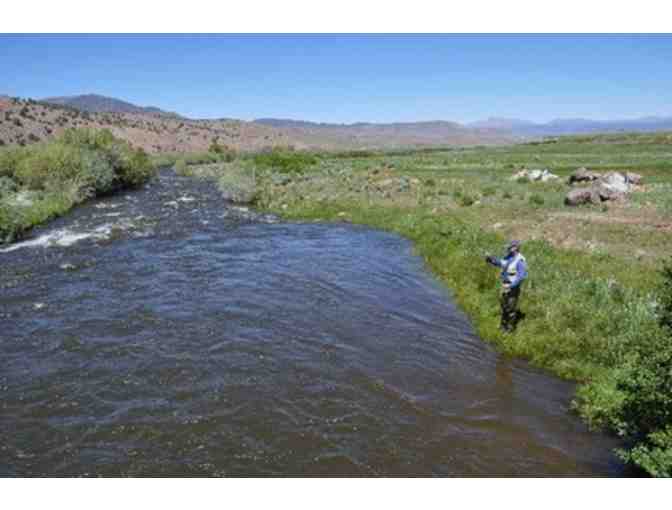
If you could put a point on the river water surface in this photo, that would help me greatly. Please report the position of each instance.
(165, 333)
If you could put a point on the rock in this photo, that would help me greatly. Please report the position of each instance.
(583, 175)
(534, 175)
(613, 185)
(633, 178)
(342, 214)
(38, 306)
(67, 267)
(547, 176)
(582, 196)
(607, 192)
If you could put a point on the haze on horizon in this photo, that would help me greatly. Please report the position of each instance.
(348, 78)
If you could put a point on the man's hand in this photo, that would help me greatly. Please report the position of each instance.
(491, 260)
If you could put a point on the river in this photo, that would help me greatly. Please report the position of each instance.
(164, 332)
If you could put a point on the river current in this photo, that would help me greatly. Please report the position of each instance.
(164, 332)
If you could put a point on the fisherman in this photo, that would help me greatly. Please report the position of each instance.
(514, 271)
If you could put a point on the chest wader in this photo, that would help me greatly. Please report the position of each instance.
(510, 295)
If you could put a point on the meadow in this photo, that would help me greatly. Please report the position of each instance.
(600, 280)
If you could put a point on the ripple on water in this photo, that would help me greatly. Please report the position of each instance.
(223, 345)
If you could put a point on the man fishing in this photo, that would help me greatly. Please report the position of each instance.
(514, 272)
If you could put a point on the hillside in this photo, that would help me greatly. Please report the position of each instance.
(24, 121)
(94, 103)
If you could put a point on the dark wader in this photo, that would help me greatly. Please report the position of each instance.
(509, 303)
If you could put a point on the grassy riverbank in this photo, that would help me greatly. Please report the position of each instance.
(593, 300)
(45, 180)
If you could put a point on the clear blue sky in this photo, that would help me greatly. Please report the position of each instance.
(342, 78)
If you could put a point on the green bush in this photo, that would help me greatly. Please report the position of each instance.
(635, 399)
(665, 296)
(284, 161)
(9, 159)
(464, 198)
(65, 171)
(536, 200)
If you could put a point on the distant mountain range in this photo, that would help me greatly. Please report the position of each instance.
(393, 134)
(95, 103)
(419, 132)
(25, 121)
(573, 126)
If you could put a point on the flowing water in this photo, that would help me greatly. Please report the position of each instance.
(165, 333)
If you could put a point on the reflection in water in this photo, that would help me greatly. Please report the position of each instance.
(204, 340)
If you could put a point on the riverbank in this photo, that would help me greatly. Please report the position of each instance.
(592, 302)
(43, 181)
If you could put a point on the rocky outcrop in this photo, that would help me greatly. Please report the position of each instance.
(610, 186)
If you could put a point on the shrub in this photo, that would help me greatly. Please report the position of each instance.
(53, 162)
(95, 159)
(465, 199)
(635, 400)
(665, 296)
(181, 166)
(536, 200)
(284, 161)
(7, 185)
(101, 176)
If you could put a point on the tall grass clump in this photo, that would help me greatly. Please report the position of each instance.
(46, 179)
(285, 161)
(634, 400)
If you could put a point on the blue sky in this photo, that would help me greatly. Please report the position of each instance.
(346, 78)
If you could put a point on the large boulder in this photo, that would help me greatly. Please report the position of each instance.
(580, 196)
(608, 192)
(583, 175)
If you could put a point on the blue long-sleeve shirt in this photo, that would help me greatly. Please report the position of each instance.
(521, 269)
